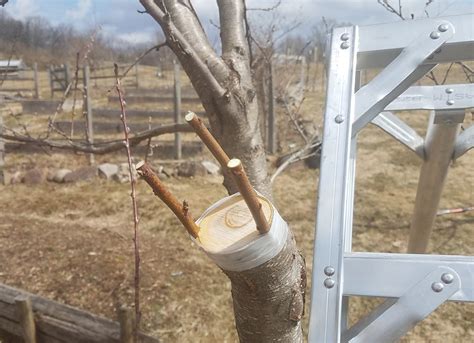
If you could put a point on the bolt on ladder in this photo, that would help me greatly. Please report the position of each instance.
(415, 284)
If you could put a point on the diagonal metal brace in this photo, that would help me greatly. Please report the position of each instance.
(465, 142)
(394, 318)
(404, 70)
(399, 130)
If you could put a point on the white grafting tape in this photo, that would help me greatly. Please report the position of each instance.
(229, 236)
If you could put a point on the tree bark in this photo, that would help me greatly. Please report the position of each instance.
(269, 299)
(224, 84)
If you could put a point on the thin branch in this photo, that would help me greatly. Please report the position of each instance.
(136, 242)
(140, 57)
(467, 71)
(447, 73)
(385, 4)
(293, 119)
(432, 77)
(266, 9)
(181, 211)
(297, 156)
(201, 130)
(249, 195)
(99, 148)
(3, 2)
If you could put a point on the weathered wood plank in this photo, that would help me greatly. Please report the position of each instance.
(27, 319)
(57, 322)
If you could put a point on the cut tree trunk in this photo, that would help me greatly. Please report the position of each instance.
(266, 271)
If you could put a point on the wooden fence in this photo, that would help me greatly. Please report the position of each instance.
(27, 77)
(31, 318)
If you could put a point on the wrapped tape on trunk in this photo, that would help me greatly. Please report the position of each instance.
(229, 236)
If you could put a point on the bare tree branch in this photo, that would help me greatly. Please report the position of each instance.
(3, 2)
(133, 195)
(183, 17)
(391, 9)
(467, 71)
(231, 15)
(139, 58)
(303, 153)
(186, 50)
(266, 9)
(99, 148)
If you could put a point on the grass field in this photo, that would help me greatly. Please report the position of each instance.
(72, 242)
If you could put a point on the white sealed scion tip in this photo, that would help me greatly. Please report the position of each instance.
(229, 236)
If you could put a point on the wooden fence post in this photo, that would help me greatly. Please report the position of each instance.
(136, 75)
(2, 154)
(27, 319)
(36, 80)
(271, 136)
(125, 317)
(88, 110)
(177, 110)
(51, 84)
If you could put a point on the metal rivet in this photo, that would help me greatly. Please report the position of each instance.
(344, 45)
(447, 278)
(449, 90)
(339, 119)
(329, 283)
(329, 271)
(443, 27)
(450, 102)
(435, 35)
(437, 287)
(345, 36)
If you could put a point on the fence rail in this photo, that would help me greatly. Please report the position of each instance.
(19, 76)
(47, 321)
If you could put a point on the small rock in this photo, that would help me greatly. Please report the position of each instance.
(177, 273)
(59, 175)
(191, 169)
(84, 173)
(108, 170)
(123, 174)
(34, 177)
(211, 167)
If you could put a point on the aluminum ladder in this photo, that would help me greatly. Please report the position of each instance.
(414, 284)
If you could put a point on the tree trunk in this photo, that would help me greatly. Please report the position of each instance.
(268, 298)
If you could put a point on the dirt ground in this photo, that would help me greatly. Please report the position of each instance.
(72, 242)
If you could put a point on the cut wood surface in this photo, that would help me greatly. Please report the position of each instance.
(56, 322)
(231, 225)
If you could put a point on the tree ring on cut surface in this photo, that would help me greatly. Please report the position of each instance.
(238, 215)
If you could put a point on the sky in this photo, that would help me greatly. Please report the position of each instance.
(119, 18)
